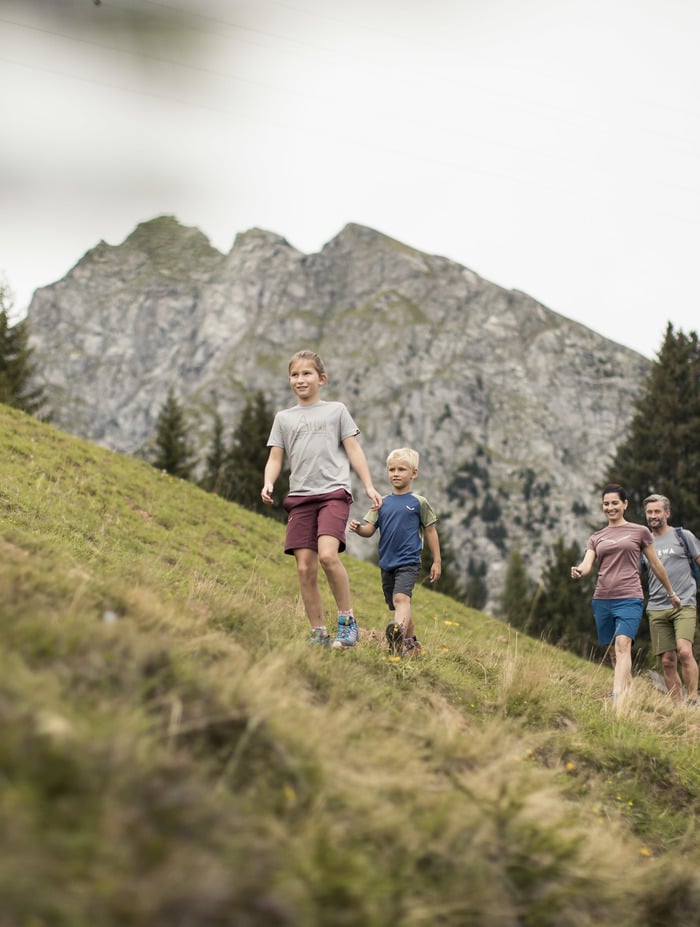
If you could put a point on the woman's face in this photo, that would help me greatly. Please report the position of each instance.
(613, 506)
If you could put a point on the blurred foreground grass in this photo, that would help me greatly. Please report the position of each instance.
(173, 753)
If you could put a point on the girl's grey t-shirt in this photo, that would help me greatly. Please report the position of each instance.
(312, 439)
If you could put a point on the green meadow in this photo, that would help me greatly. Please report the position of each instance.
(173, 753)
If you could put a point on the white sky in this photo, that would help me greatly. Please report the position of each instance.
(552, 146)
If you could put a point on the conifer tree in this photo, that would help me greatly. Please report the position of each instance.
(517, 592)
(213, 478)
(476, 592)
(174, 453)
(661, 452)
(560, 610)
(244, 464)
(16, 368)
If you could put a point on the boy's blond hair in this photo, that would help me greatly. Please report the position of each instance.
(406, 455)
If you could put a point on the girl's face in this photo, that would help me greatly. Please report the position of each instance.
(305, 380)
(614, 507)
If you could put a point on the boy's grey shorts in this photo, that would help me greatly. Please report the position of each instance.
(402, 579)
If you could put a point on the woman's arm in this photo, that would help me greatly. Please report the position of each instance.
(585, 566)
(660, 573)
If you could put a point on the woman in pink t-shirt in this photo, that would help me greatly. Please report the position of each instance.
(618, 600)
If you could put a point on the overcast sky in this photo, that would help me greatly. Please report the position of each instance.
(552, 146)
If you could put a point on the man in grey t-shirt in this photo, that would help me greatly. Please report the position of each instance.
(673, 629)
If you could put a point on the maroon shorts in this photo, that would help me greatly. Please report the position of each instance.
(308, 517)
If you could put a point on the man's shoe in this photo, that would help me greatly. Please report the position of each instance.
(347, 633)
(394, 636)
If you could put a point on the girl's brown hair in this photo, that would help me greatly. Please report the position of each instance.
(311, 356)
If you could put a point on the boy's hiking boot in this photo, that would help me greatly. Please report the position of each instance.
(347, 633)
(412, 647)
(321, 637)
(394, 636)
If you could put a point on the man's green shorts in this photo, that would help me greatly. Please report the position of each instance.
(668, 626)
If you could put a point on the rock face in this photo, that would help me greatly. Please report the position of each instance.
(514, 409)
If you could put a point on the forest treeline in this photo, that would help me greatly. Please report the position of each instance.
(659, 451)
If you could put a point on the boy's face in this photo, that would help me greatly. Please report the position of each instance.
(401, 475)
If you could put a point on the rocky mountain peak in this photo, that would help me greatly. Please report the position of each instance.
(513, 408)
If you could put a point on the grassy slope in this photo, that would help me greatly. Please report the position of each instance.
(194, 762)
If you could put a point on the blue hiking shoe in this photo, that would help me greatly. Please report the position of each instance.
(320, 637)
(347, 633)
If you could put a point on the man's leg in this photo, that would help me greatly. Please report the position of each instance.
(669, 665)
(689, 668)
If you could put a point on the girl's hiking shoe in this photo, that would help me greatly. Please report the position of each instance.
(347, 633)
(319, 636)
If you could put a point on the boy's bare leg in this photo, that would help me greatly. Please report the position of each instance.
(336, 574)
(307, 571)
(402, 606)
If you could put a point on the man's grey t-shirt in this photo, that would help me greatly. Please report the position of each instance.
(312, 439)
(673, 556)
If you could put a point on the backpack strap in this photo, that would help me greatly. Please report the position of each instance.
(684, 544)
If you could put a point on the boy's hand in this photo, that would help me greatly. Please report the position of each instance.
(354, 525)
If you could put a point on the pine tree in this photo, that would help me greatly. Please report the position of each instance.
(213, 479)
(661, 452)
(16, 368)
(244, 463)
(476, 592)
(517, 592)
(561, 611)
(174, 453)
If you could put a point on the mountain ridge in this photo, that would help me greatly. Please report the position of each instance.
(513, 407)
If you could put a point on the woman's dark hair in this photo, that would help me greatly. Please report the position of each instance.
(614, 487)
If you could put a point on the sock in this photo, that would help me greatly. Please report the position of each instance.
(347, 614)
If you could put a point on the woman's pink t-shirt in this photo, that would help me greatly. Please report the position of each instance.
(617, 551)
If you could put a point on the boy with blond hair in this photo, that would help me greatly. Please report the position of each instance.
(404, 521)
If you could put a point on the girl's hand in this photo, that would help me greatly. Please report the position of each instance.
(376, 498)
(266, 493)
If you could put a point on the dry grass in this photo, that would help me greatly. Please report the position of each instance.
(173, 753)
